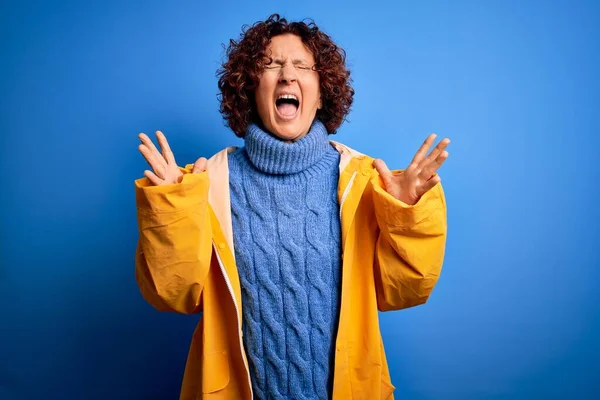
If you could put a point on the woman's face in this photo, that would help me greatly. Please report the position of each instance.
(288, 94)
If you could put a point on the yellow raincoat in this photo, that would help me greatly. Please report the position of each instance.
(392, 258)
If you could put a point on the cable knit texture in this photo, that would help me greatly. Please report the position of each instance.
(287, 247)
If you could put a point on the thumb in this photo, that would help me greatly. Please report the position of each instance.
(383, 170)
(199, 166)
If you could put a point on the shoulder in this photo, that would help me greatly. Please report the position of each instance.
(352, 158)
(219, 159)
(344, 149)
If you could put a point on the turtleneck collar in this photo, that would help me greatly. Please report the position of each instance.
(274, 156)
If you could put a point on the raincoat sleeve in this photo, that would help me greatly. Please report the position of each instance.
(174, 247)
(410, 247)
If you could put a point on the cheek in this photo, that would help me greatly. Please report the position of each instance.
(313, 93)
(316, 87)
(265, 86)
(262, 97)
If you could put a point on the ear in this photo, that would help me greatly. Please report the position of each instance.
(320, 104)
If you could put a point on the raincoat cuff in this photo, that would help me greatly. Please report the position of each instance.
(396, 213)
(192, 191)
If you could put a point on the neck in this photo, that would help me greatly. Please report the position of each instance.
(275, 156)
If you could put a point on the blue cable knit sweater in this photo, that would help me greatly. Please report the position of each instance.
(286, 226)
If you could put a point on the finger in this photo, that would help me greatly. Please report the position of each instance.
(150, 145)
(166, 149)
(199, 165)
(148, 156)
(383, 170)
(441, 146)
(152, 177)
(422, 152)
(428, 185)
(427, 164)
(154, 161)
(430, 169)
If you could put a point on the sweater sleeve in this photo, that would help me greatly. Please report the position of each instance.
(174, 249)
(410, 247)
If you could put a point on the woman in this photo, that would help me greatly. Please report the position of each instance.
(292, 244)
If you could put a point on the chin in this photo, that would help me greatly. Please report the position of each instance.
(288, 133)
(290, 136)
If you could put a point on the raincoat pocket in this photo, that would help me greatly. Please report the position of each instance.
(215, 372)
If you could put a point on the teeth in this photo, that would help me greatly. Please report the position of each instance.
(287, 96)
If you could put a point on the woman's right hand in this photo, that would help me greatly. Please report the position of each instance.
(165, 169)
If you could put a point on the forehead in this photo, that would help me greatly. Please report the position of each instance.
(288, 46)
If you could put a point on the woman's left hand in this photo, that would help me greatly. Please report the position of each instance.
(420, 176)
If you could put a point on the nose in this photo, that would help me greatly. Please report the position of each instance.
(288, 74)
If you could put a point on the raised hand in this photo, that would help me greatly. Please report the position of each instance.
(165, 169)
(420, 176)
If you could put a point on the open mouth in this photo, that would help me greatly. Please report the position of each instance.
(287, 106)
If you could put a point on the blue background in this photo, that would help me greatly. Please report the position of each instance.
(516, 314)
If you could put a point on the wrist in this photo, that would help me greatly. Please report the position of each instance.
(407, 199)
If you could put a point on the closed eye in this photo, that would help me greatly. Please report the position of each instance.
(301, 67)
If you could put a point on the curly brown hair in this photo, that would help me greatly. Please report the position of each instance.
(246, 59)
